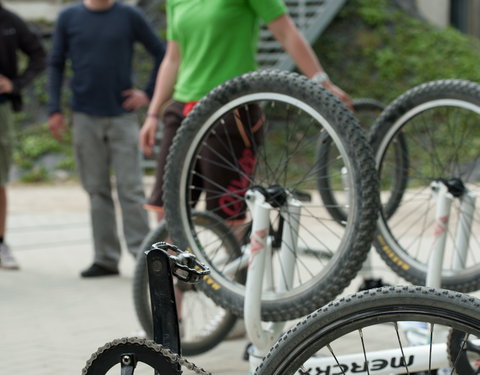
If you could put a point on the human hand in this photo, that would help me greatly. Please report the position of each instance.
(6, 85)
(57, 126)
(134, 99)
(147, 135)
(339, 93)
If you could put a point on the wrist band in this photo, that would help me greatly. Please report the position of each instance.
(153, 115)
(320, 77)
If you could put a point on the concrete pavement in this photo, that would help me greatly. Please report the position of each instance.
(51, 320)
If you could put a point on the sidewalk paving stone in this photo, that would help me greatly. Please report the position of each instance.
(51, 320)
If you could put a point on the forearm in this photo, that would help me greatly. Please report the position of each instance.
(166, 78)
(303, 56)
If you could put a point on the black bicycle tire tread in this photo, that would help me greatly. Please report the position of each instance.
(461, 367)
(351, 264)
(450, 88)
(322, 152)
(360, 303)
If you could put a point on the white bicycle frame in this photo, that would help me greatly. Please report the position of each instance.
(260, 273)
(382, 362)
(259, 279)
(444, 201)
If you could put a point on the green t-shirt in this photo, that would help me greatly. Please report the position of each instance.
(217, 39)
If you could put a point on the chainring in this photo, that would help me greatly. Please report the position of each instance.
(163, 360)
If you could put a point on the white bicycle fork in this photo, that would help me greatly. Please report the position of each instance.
(444, 201)
(260, 276)
(260, 280)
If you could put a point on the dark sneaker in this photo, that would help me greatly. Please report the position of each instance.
(371, 284)
(96, 270)
(7, 260)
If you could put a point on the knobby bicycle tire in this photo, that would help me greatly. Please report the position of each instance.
(463, 354)
(439, 124)
(292, 112)
(218, 325)
(354, 314)
(366, 110)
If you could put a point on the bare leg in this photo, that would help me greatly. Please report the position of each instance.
(238, 228)
(160, 215)
(6, 257)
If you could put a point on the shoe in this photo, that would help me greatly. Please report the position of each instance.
(96, 270)
(371, 284)
(7, 260)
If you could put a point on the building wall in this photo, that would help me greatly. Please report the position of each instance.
(34, 9)
(438, 12)
(39, 9)
(474, 18)
(435, 11)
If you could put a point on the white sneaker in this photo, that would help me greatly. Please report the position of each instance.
(7, 260)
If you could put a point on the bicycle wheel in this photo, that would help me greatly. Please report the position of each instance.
(275, 120)
(204, 324)
(366, 111)
(464, 352)
(363, 333)
(440, 127)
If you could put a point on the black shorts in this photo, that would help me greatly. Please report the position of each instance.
(222, 185)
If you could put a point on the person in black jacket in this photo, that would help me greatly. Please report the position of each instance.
(15, 36)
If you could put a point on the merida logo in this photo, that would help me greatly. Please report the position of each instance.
(359, 368)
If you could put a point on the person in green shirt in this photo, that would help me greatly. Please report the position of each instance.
(210, 42)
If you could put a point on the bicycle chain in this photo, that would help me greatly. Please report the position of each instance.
(173, 357)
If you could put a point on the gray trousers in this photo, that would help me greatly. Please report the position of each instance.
(104, 145)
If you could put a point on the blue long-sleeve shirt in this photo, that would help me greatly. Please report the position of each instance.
(100, 46)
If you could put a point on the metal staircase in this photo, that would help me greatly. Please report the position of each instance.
(310, 16)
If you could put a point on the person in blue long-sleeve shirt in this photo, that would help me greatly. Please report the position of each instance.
(98, 38)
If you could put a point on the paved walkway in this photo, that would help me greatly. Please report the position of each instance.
(51, 320)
